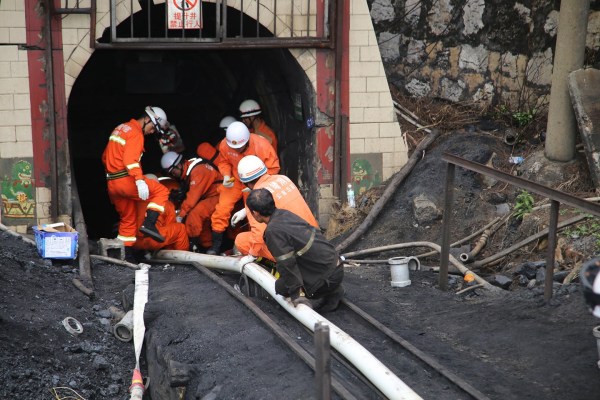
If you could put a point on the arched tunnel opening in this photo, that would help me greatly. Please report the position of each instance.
(196, 88)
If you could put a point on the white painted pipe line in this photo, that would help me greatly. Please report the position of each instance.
(384, 379)
(140, 298)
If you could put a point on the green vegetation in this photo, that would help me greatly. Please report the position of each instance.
(524, 204)
(588, 228)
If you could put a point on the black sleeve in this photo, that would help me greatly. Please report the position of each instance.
(279, 244)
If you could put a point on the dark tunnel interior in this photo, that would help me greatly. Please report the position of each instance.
(196, 88)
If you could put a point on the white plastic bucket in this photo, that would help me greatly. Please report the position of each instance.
(596, 332)
(399, 267)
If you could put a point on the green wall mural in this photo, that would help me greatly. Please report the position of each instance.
(18, 200)
(365, 171)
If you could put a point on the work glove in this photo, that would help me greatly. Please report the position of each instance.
(237, 217)
(302, 300)
(245, 260)
(169, 139)
(228, 181)
(142, 188)
(179, 219)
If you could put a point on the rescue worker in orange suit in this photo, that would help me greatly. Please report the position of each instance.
(239, 142)
(201, 183)
(251, 115)
(175, 235)
(253, 173)
(126, 182)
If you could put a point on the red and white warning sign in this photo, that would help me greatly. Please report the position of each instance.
(185, 13)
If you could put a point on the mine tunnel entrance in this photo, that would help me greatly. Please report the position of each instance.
(196, 88)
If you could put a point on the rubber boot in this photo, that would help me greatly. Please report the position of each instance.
(148, 228)
(333, 299)
(217, 240)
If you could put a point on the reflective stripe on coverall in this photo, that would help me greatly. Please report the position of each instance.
(174, 233)
(257, 146)
(287, 197)
(123, 153)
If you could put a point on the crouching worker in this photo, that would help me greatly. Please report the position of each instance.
(201, 184)
(310, 268)
(175, 235)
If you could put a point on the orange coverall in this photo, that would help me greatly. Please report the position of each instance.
(257, 146)
(121, 159)
(201, 199)
(264, 130)
(287, 197)
(176, 237)
(207, 152)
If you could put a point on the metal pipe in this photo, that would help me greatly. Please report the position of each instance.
(51, 111)
(337, 129)
(554, 206)
(526, 241)
(463, 270)
(445, 252)
(468, 257)
(383, 378)
(322, 361)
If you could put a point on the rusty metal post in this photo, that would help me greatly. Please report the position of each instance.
(337, 129)
(322, 361)
(554, 206)
(445, 255)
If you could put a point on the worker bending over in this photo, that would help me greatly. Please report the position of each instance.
(311, 271)
(200, 185)
(175, 235)
(253, 173)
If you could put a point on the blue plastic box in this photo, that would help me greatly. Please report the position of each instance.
(57, 240)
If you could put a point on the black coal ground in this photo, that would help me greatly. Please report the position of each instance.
(512, 346)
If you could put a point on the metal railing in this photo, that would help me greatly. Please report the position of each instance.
(556, 197)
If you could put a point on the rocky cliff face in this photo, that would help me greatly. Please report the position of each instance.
(474, 50)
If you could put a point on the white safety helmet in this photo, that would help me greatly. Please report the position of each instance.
(237, 135)
(151, 177)
(226, 121)
(158, 118)
(169, 160)
(249, 108)
(251, 168)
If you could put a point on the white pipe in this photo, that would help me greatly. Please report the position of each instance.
(123, 329)
(384, 379)
(140, 299)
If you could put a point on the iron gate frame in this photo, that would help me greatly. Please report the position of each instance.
(324, 41)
